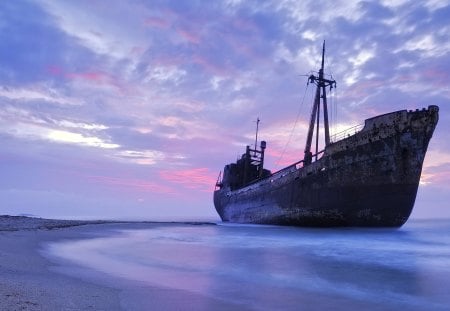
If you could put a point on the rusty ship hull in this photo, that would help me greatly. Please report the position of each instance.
(369, 178)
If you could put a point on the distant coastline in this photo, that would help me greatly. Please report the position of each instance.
(15, 223)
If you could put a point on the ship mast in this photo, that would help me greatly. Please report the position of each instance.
(321, 83)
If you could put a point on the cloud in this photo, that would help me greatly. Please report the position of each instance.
(99, 33)
(76, 138)
(126, 184)
(37, 93)
(189, 36)
(159, 22)
(144, 157)
(26, 123)
(86, 126)
(195, 178)
(164, 93)
(163, 74)
(436, 166)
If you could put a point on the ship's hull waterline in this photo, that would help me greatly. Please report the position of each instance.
(367, 179)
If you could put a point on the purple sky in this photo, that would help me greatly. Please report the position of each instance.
(129, 109)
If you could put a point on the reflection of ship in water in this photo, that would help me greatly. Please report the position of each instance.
(367, 179)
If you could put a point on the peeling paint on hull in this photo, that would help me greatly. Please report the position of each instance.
(367, 179)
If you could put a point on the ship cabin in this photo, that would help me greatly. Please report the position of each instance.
(248, 169)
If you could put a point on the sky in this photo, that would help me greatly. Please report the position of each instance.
(130, 109)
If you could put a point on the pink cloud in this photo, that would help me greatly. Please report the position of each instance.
(100, 78)
(54, 70)
(362, 89)
(97, 77)
(210, 66)
(242, 48)
(241, 44)
(196, 178)
(157, 22)
(280, 159)
(189, 36)
(439, 76)
(93, 76)
(138, 185)
(437, 175)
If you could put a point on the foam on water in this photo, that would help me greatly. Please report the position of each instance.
(269, 267)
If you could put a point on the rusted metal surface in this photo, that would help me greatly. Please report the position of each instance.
(367, 179)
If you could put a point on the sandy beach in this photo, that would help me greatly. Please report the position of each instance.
(29, 280)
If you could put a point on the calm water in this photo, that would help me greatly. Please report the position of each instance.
(273, 268)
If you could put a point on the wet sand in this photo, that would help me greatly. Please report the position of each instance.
(30, 280)
(26, 281)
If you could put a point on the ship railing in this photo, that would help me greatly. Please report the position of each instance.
(284, 171)
(293, 166)
(346, 133)
(287, 169)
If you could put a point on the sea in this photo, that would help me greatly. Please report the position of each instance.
(255, 267)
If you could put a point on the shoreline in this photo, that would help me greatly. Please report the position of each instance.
(33, 279)
(27, 282)
(16, 223)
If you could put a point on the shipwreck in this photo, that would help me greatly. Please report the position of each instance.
(368, 178)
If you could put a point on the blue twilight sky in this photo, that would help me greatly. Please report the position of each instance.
(129, 109)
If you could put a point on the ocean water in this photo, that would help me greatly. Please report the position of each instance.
(280, 268)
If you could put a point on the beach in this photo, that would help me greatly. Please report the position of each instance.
(103, 265)
(30, 281)
(27, 283)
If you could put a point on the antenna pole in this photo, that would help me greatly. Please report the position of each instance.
(256, 138)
